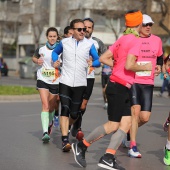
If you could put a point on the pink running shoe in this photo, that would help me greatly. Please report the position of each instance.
(166, 125)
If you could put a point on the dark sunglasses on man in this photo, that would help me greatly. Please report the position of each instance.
(148, 24)
(80, 29)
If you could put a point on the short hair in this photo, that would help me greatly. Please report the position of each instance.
(132, 11)
(51, 29)
(90, 20)
(73, 22)
(66, 29)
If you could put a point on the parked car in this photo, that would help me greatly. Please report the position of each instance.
(4, 67)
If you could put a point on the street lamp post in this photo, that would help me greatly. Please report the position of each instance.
(52, 17)
(2, 21)
(1, 40)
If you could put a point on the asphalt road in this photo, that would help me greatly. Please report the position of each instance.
(14, 79)
(20, 136)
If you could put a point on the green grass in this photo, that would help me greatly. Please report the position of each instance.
(17, 90)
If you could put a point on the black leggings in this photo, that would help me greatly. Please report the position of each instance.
(142, 95)
(71, 99)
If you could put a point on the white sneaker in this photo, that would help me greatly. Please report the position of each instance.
(56, 121)
(105, 106)
(159, 95)
(134, 153)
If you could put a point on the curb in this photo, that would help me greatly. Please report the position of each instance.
(36, 97)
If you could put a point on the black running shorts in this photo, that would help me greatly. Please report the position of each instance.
(118, 97)
(53, 88)
(89, 88)
(104, 80)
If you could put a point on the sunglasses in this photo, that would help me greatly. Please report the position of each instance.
(80, 29)
(148, 24)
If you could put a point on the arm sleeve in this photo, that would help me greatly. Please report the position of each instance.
(57, 50)
(160, 60)
(95, 56)
(160, 54)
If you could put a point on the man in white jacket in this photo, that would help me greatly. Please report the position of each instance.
(73, 82)
(76, 130)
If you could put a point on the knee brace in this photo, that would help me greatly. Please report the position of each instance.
(74, 115)
(65, 111)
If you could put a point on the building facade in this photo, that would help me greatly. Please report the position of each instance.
(25, 21)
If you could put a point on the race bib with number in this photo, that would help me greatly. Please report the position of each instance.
(48, 74)
(143, 73)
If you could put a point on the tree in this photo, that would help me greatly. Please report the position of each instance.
(8, 26)
(164, 13)
(115, 10)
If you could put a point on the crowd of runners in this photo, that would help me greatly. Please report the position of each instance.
(67, 75)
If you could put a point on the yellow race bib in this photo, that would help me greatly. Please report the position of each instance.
(48, 74)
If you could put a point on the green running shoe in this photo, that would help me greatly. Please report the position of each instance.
(45, 138)
(167, 156)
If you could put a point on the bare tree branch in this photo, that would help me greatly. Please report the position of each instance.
(164, 10)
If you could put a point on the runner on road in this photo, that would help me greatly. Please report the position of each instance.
(76, 130)
(47, 81)
(142, 89)
(75, 61)
(124, 52)
(166, 126)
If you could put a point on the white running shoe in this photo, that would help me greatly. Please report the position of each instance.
(105, 106)
(56, 121)
(159, 95)
(134, 153)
